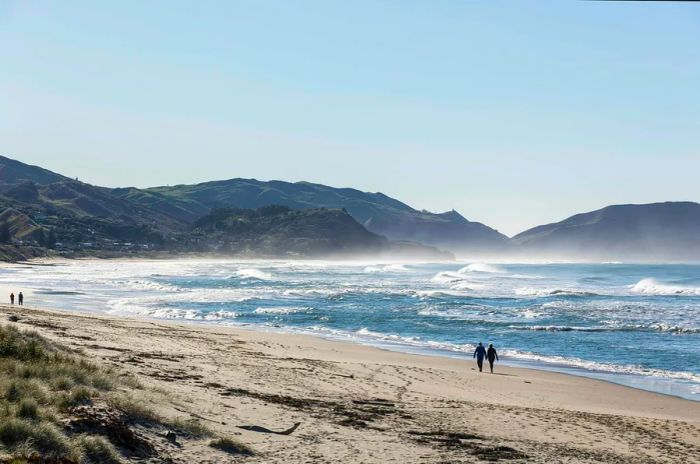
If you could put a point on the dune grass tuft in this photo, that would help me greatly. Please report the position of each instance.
(97, 450)
(231, 446)
(28, 409)
(23, 437)
(40, 381)
(42, 384)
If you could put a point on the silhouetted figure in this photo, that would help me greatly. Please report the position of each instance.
(20, 299)
(479, 354)
(491, 355)
(12, 298)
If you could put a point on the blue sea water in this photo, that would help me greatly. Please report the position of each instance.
(628, 323)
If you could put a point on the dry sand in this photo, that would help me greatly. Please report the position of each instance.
(358, 404)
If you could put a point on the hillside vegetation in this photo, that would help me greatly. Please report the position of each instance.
(41, 210)
(46, 213)
(379, 213)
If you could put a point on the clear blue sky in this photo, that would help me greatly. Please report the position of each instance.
(513, 113)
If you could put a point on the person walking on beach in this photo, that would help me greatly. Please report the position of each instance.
(491, 355)
(479, 354)
(20, 300)
(12, 298)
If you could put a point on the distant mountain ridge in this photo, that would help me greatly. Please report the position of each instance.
(667, 231)
(34, 201)
(16, 172)
(279, 231)
(377, 212)
(179, 206)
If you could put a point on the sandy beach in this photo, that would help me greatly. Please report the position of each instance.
(361, 404)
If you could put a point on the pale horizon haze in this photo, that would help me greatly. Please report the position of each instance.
(515, 114)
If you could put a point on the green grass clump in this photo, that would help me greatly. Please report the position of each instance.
(231, 446)
(191, 427)
(23, 346)
(97, 450)
(39, 381)
(28, 409)
(42, 383)
(22, 437)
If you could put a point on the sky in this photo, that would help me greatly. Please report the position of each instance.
(513, 113)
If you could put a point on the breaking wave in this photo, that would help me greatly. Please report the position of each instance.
(369, 336)
(253, 273)
(482, 267)
(530, 291)
(653, 287)
(386, 268)
(622, 328)
(281, 310)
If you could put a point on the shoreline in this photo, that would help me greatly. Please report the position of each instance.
(466, 362)
(668, 385)
(365, 404)
(614, 378)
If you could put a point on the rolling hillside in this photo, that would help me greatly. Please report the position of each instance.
(663, 231)
(379, 213)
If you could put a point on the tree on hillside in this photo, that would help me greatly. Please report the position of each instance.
(46, 238)
(5, 234)
(51, 239)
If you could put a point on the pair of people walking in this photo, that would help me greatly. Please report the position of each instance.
(480, 353)
(20, 298)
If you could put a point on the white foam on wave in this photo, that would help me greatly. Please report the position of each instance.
(528, 356)
(218, 315)
(281, 310)
(160, 312)
(530, 314)
(612, 327)
(253, 273)
(146, 285)
(482, 267)
(533, 291)
(425, 294)
(653, 287)
(370, 336)
(602, 367)
(386, 268)
(456, 281)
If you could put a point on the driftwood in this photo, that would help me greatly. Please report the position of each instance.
(257, 428)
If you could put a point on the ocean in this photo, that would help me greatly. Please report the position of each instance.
(634, 324)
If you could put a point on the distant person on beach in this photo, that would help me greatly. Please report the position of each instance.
(491, 355)
(12, 298)
(479, 354)
(20, 301)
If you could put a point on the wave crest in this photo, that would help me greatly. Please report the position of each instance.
(530, 291)
(253, 273)
(654, 287)
(482, 267)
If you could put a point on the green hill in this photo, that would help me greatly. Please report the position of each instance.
(655, 231)
(15, 172)
(49, 210)
(377, 212)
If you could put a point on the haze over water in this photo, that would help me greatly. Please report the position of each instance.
(628, 323)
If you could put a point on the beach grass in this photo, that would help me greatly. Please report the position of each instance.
(231, 446)
(44, 387)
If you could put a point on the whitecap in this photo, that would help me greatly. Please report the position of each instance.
(653, 287)
(482, 267)
(280, 310)
(253, 273)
